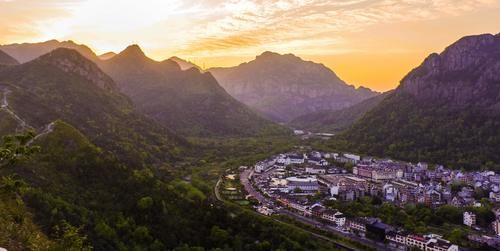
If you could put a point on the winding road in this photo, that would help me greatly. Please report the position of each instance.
(5, 106)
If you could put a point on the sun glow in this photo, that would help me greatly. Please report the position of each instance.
(348, 36)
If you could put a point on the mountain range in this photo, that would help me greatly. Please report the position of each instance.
(188, 101)
(64, 85)
(444, 111)
(284, 87)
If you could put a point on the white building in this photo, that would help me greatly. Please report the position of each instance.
(469, 218)
(295, 159)
(264, 166)
(306, 185)
(334, 216)
(496, 227)
(315, 170)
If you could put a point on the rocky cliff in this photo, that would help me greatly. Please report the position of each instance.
(284, 86)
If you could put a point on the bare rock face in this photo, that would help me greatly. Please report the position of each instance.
(466, 74)
(284, 86)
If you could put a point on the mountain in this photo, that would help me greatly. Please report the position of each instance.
(64, 85)
(28, 51)
(6, 59)
(189, 102)
(338, 120)
(184, 64)
(284, 87)
(107, 55)
(445, 111)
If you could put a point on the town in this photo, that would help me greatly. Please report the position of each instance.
(305, 184)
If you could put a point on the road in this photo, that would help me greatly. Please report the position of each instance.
(5, 106)
(244, 178)
(323, 226)
(48, 129)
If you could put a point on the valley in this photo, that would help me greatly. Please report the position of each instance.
(124, 152)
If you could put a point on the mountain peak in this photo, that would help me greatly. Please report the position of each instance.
(464, 74)
(71, 61)
(133, 50)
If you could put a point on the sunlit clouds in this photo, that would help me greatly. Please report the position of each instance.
(217, 32)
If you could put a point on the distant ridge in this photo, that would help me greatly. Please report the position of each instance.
(184, 64)
(188, 101)
(6, 59)
(28, 51)
(284, 87)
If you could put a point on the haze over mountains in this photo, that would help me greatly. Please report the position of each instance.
(189, 102)
(445, 111)
(28, 51)
(284, 86)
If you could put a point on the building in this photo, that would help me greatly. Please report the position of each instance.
(359, 224)
(398, 237)
(417, 241)
(304, 184)
(315, 170)
(295, 159)
(469, 219)
(496, 227)
(437, 243)
(440, 245)
(378, 230)
(264, 166)
(334, 216)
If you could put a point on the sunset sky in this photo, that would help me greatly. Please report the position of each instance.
(366, 42)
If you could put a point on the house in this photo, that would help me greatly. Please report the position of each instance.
(469, 219)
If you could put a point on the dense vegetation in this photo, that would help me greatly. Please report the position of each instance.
(45, 90)
(82, 197)
(188, 102)
(404, 129)
(420, 218)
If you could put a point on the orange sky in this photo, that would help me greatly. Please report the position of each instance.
(366, 42)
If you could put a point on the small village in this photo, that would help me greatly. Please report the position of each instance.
(301, 185)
